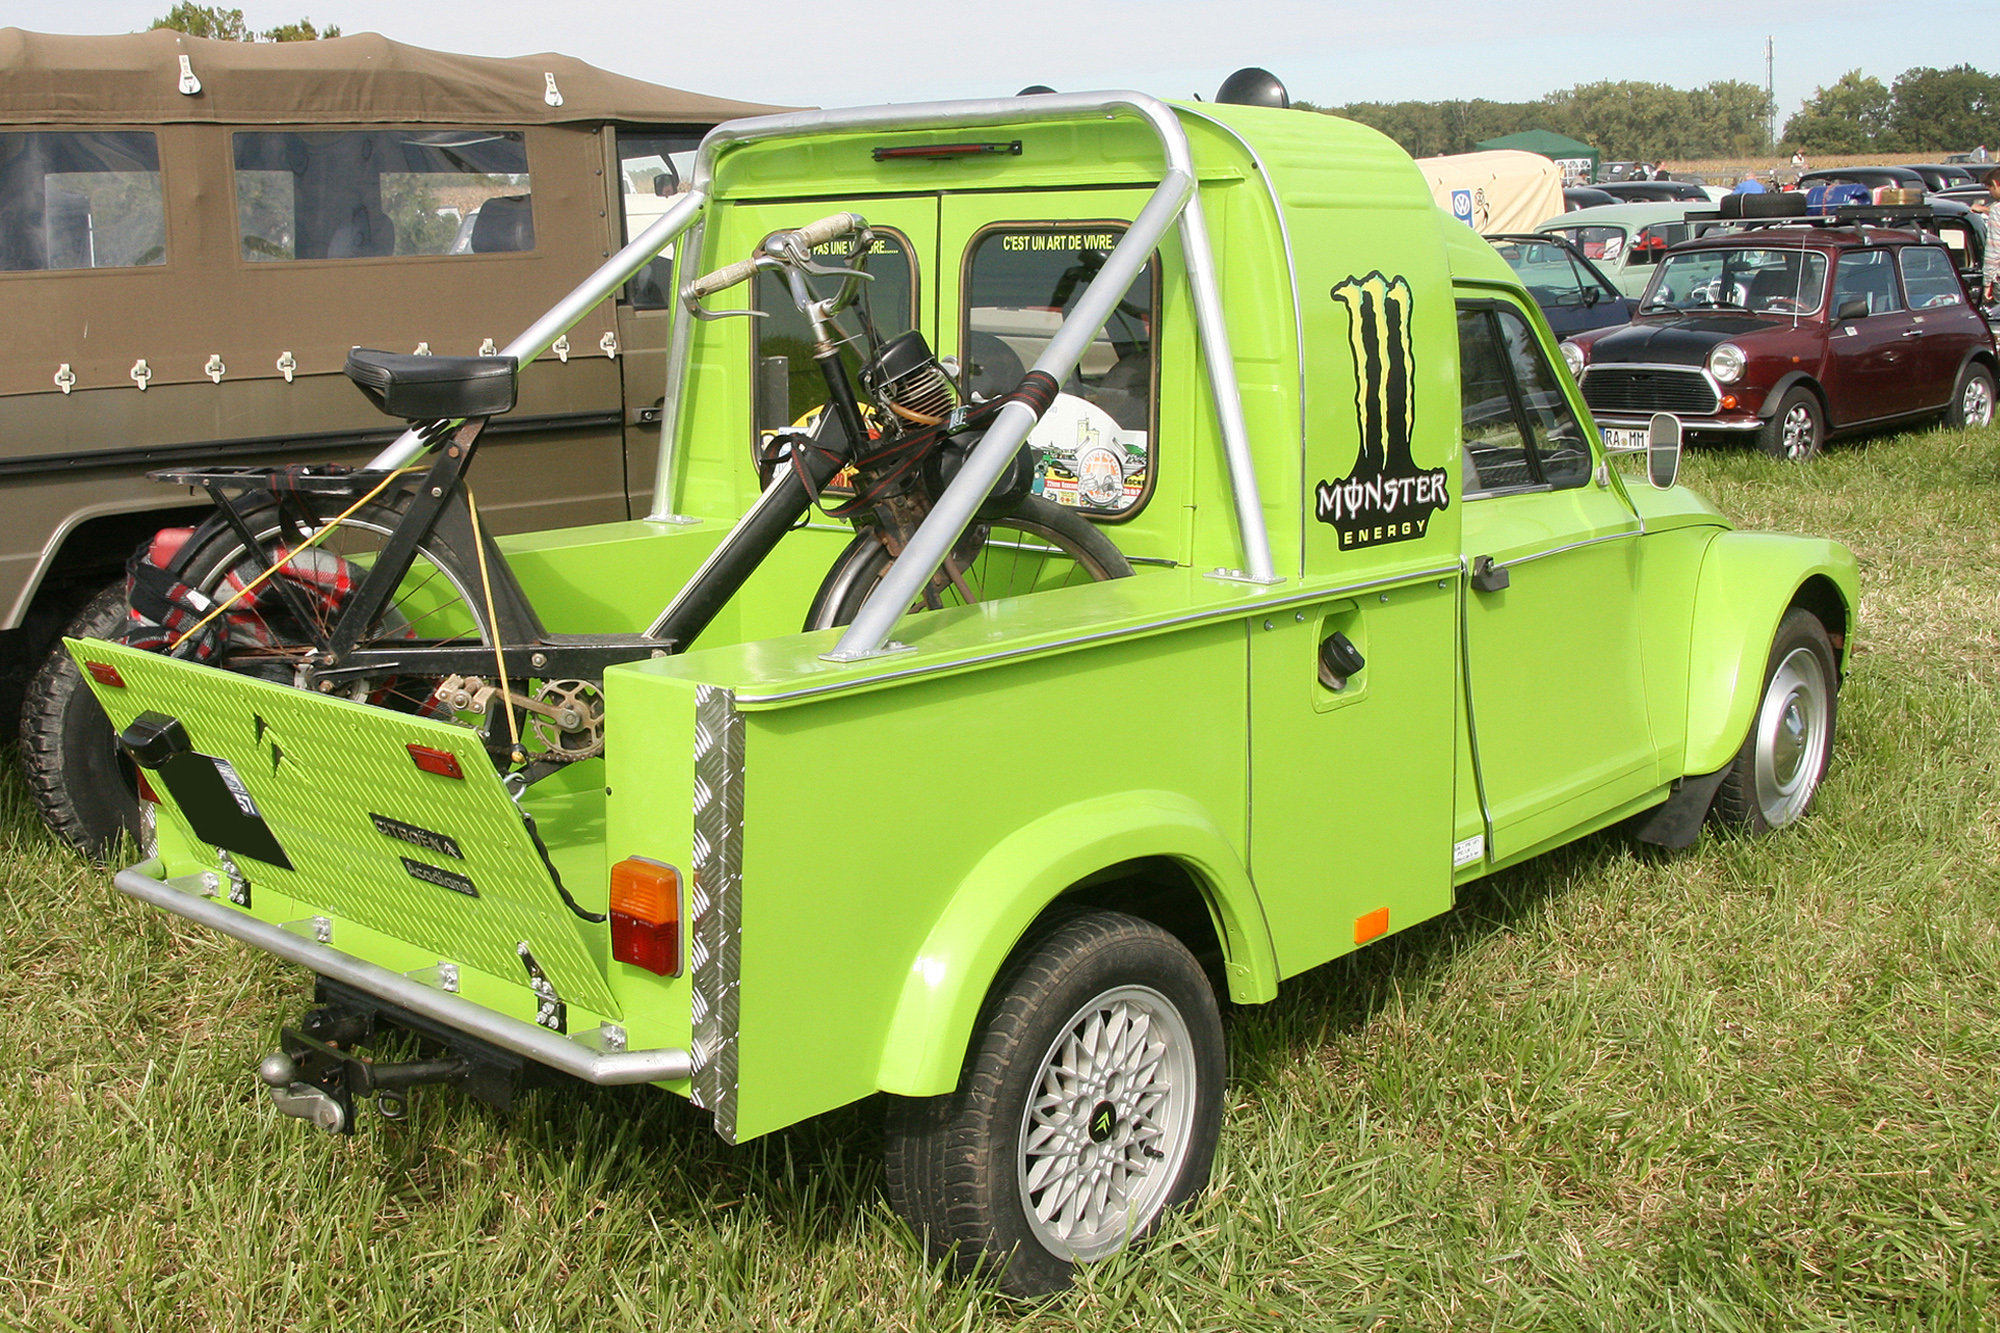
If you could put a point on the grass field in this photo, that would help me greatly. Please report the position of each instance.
(1752, 1086)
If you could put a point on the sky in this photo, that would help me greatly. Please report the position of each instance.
(1326, 51)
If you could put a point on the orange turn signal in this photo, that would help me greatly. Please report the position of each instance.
(1729, 400)
(1371, 926)
(646, 915)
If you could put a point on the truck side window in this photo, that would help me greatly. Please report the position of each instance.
(356, 194)
(1519, 432)
(71, 199)
(1094, 445)
(652, 169)
(789, 386)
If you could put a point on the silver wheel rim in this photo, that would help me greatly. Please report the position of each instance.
(1109, 1119)
(1975, 407)
(1796, 435)
(1792, 736)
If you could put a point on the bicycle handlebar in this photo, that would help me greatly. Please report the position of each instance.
(800, 241)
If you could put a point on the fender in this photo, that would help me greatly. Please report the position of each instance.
(1983, 356)
(1747, 581)
(1776, 393)
(1026, 871)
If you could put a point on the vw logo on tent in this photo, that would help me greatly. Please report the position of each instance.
(1461, 206)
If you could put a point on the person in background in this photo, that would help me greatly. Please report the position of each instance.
(1798, 161)
(1990, 277)
(1749, 184)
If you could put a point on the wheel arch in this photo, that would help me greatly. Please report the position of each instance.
(1792, 380)
(1155, 854)
(96, 541)
(1748, 581)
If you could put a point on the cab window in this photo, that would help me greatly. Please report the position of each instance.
(652, 169)
(789, 386)
(1866, 275)
(1518, 430)
(1606, 245)
(358, 194)
(80, 200)
(1093, 446)
(1929, 278)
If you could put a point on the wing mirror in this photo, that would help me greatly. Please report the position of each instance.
(1663, 450)
(1854, 307)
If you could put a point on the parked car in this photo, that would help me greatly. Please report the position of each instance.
(1875, 178)
(1942, 175)
(1654, 192)
(196, 231)
(1625, 241)
(1789, 334)
(1371, 505)
(1585, 196)
(1573, 294)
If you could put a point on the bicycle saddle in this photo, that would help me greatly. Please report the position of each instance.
(434, 388)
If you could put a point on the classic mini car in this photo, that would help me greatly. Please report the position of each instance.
(1573, 294)
(193, 232)
(1785, 335)
(1625, 241)
(1054, 772)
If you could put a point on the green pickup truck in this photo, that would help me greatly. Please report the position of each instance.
(1335, 604)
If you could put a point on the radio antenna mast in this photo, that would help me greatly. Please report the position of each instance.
(1770, 96)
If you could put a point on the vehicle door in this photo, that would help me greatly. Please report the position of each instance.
(1555, 696)
(1946, 329)
(1870, 351)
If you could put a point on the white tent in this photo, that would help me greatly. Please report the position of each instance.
(1502, 190)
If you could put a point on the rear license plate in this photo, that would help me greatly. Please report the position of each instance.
(1616, 438)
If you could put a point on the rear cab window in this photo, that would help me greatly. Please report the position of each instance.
(382, 193)
(74, 199)
(1519, 431)
(1094, 446)
(790, 389)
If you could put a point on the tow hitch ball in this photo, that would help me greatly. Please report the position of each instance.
(318, 1081)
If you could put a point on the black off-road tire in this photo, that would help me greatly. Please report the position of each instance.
(859, 567)
(1971, 399)
(85, 789)
(961, 1166)
(1784, 759)
(1796, 432)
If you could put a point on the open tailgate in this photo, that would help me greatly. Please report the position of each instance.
(444, 862)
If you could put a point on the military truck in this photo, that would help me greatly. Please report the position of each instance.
(193, 232)
(1379, 616)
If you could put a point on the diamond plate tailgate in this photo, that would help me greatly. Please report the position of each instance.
(321, 770)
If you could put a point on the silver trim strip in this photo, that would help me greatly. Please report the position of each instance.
(1215, 615)
(1533, 556)
(604, 1068)
(1689, 421)
(715, 902)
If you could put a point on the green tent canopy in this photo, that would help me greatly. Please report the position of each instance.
(1558, 148)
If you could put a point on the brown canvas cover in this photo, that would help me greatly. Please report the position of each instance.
(135, 79)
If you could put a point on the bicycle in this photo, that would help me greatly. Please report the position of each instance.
(386, 587)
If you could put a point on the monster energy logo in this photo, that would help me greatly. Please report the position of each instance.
(1387, 497)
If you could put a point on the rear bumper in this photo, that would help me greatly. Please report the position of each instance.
(599, 1064)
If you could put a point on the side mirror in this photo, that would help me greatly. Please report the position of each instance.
(1663, 450)
(1854, 307)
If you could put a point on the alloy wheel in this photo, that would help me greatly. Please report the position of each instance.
(1793, 732)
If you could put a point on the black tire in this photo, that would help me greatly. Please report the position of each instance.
(1784, 759)
(86, 790)
(1972, 399)
(963, 1168)
(441, 595)
(1040, 545)
(1796, 432)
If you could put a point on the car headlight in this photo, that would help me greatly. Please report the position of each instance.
(1726, 363)
(1573, 358)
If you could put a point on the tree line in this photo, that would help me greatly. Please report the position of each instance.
(1925, 110)
(228, 25)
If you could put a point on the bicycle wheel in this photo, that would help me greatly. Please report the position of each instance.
(271, 628)
(1037, 547)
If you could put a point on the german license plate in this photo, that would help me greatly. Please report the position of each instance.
(1624, 438)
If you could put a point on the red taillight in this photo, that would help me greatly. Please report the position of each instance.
(146, 792)
(441, 762)
(105, 674)
(646, 915)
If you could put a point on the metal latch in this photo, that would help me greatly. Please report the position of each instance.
(1487, 576)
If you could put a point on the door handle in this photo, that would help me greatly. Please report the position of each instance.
(1487, 576)
(1912, 333)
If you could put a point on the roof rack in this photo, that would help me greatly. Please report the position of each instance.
(1857, 216)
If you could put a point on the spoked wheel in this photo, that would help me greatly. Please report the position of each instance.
(1797, 431)
(272, 628)
(1037, 547)
(1785, 757)
(1089, 1107)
